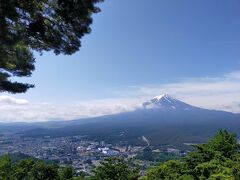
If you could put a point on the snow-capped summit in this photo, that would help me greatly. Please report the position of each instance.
(165, 101)
(161, 96)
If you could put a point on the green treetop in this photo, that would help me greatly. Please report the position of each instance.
(218, 159)
(115, 169)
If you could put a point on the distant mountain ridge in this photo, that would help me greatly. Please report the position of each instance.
(162, 120)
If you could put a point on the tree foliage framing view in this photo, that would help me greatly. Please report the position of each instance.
(39, 25)
(216, 160)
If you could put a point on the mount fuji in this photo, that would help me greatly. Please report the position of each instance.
(162, 120)
(165, 101)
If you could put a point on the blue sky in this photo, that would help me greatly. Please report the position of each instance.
(145, 44)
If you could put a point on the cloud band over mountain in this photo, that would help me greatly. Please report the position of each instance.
(222, 93)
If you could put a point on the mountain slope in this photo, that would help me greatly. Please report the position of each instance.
(163, 120)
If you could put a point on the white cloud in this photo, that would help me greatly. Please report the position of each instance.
(11, 100)
(221, 93)
(32, 112)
